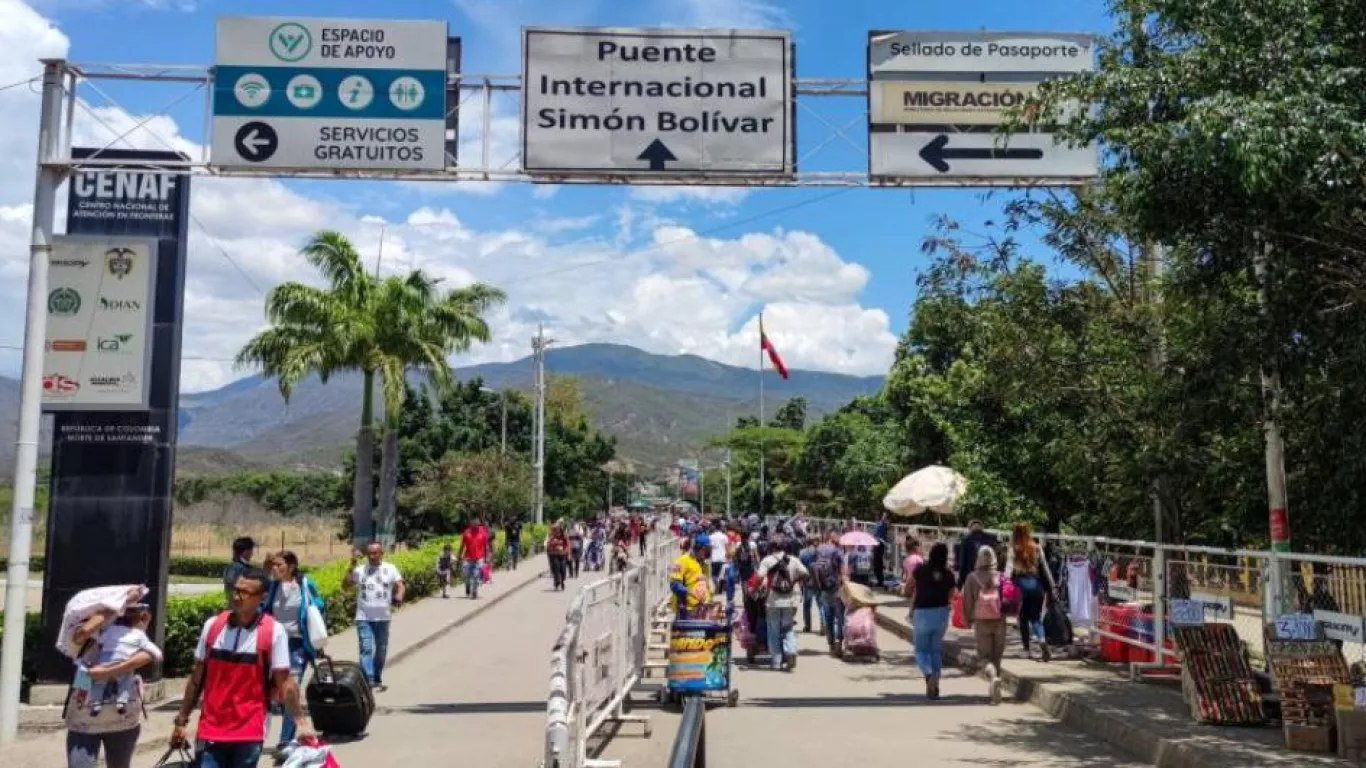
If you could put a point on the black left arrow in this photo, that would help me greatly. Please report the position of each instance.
(657, 154)
(937, 152)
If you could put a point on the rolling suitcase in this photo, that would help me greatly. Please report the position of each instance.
(340, 701)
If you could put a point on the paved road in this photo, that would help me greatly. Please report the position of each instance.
(475, 697)
(829, 712)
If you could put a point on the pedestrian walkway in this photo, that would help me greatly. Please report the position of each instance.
(414, 628)
(1148, 720)
(475, 697)
(831, 712)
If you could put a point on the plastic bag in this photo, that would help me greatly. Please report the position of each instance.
(956, 616)
(309, 753)
(176, 757)
(317, 628)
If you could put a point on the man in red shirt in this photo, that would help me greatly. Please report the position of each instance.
(474, 547)
(241, 663)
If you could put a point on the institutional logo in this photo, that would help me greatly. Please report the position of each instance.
(290, 42)
(64, 302)
(120, 305)
(118, 343)
(57, 385)
(66, 345)
(119, 261)
(122, 383)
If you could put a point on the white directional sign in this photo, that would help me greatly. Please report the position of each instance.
(685, 102)
(937, 100)
(330, 94)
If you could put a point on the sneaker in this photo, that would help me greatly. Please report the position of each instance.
(1047, 654)
(995, 690)
(791, 662)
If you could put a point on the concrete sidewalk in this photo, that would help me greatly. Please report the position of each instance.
(414, 627)
(1150, 721)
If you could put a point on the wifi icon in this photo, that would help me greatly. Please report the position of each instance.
(252, 90)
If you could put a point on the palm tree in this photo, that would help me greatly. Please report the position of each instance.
(421, 327)
(361, 323)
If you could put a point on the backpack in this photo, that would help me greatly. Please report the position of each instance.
(824, 575)
(988, 605)
(780, 577)
(744, 560)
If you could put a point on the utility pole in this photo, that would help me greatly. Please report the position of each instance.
(538, 347)
(30, 400)
(727, 465)
(701, 487)
(1277, 498)
(1152, 256)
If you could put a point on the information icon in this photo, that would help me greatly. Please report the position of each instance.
(355, 92)
(407, 93)
(252, 90)
(304, 91)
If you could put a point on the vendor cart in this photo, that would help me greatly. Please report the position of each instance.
(700, 659)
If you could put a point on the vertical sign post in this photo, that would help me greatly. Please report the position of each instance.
(109, 510)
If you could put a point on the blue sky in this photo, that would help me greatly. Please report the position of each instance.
(530, 239)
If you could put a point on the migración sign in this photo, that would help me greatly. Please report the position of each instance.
(348, 94)
(662, 102)
(937, 103)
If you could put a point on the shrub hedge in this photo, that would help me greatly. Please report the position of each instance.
(185, 615)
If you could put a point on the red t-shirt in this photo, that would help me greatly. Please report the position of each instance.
(474, 543)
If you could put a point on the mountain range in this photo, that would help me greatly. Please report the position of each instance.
(660, 408)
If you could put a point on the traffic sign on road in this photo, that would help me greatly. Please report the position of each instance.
(689, 103)
(330, 94)
(937, 102)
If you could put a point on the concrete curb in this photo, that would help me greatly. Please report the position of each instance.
(1136, 740)
(161, 742)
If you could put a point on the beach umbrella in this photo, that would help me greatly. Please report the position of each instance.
(932, 489)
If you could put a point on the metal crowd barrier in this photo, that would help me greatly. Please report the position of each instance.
(600, 654)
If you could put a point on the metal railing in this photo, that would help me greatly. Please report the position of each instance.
(1246, 588)
(690, 746)
(599, 656)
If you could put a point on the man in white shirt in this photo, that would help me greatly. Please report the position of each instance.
(783, 574)
(719, 546)
(381, 587)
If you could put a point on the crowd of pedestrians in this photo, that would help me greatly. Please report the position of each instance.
(782, 577)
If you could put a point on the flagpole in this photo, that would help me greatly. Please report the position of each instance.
(761, 416)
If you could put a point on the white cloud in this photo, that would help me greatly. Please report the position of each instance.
(747, 14)
(626, 275)
(707, 196)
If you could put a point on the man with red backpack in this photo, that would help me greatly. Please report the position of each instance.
(241, 663)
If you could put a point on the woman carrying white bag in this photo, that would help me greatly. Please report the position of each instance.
(103, 633)
(293, 599)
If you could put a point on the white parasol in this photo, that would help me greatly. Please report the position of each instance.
(932, 489)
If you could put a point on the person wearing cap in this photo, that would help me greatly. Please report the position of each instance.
(688, 578)
(243, 548)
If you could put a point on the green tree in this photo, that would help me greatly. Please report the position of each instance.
(792, 414)
(460, 487)
(381, 328)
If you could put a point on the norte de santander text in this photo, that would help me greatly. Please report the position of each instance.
(666, 121)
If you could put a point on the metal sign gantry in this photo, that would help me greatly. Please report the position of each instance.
(469, 157)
